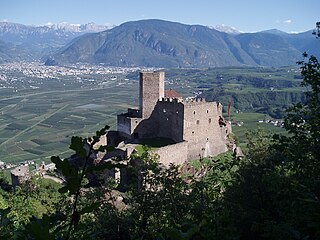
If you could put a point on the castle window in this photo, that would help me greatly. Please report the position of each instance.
(207, 111)
(209, 120)
(198, 122)
(192, 132)
(136, 121)
(167, 119)
(177, 112)
(164, 110)
(194, 112)
(207, 139)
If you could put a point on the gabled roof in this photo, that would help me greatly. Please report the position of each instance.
(171, 94)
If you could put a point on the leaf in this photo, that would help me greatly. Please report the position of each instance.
(70, 173)
(63, 190)
(173, 233)
(77, 144)
(38, 229)
(105, 148)
(192, 231)
(105, 165)
(64, 166)
(90, 208)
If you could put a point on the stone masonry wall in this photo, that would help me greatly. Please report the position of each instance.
(202, 130)
(151, 89)
(126, 124)
(175, 153)
(169, 114)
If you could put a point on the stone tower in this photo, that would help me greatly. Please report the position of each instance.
(151, 90)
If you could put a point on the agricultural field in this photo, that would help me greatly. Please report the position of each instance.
(39, 115)
(36, 123)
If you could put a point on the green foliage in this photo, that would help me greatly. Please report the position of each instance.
(301, 148)
(35, 197)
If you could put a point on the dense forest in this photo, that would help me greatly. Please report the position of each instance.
(271, 193)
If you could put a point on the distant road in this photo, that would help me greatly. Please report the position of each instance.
(58, 180)
(41, 93)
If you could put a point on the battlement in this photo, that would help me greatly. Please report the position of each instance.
(196, 102)
(174, 100)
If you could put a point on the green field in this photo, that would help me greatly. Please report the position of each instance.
(250, 123)
(38, 116)
(38, 123)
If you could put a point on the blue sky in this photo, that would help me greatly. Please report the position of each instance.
(244, 15)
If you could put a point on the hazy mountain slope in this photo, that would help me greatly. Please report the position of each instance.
(305, 42)
(269, 49)
(41, 41)
(10, 52)
(152, 43)
(161, 44)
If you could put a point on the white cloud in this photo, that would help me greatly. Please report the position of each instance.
(288, 21)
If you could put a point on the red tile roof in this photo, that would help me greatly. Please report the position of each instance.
(172, 94)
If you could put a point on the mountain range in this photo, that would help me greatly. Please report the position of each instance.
(28, 43)
(153, 43)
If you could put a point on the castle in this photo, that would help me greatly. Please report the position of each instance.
(196, 127)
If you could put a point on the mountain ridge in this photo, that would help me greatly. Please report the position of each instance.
(159, 43)
(152, 43)
(38, 42)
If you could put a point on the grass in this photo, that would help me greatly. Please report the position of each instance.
(250, 123)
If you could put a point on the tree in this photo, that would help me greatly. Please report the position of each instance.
(317, 30)
(300, 149)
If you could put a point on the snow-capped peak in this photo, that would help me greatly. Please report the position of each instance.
(225, 28)
(76, 27)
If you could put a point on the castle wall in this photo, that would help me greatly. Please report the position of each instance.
(198, 125)
(147, 128)
(126, 125)
(202, 131)
(151, 90)
(175, 153)
(169, 114)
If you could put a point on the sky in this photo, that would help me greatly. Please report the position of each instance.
(244, 15)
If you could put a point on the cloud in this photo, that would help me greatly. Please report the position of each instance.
(287, 21)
